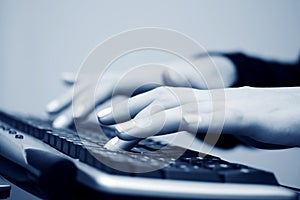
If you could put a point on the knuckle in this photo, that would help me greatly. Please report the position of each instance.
(164, 94)
(159, 90)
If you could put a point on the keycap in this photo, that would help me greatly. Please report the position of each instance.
(246, 175)
(189, 173)
(152, 174)
(19, 136)
(12, 131)
(75, 148)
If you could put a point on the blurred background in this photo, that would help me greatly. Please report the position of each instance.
(40, 39)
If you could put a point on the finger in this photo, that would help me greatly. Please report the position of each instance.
(64, 101)
(60, 103)
(125, 110)
(85, 102)
(66, 116)
(105, 104)
(151, 121)
(68, 78)
(152, 109)
(64, 120)
(116, 144)
(166, 97)
(164, 122)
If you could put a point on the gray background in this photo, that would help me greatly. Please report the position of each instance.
(40, 39)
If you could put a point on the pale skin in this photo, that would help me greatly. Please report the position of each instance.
(159, 76)
(249, 112)
(265, 115)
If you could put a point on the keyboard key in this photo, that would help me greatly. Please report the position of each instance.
(152, 174)
(12, 131)
(245, 175)
(19, 136)
(191, 174)
(75, 148)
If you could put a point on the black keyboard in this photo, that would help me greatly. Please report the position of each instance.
(189, 168)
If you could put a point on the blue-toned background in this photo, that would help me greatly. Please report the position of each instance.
(39, 39)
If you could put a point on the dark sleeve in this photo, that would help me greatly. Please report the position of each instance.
(257, 72)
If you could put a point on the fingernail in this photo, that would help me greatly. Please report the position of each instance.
(116, 144)
(104, 112)
(61, 122)
(125, 127)
(52, 106)
(127, 130)
(111, 143)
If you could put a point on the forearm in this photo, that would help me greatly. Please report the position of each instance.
(257, 72)
(269, 115)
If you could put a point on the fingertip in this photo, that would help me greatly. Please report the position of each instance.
(105, 112)
(104, 116)
(79, 111)
(116, 144)
(60, 103)
(52, 107)
(111, 144)
(61, 122)
(126, 130)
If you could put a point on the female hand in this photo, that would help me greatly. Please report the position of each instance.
(223, 69)
(260, 116)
